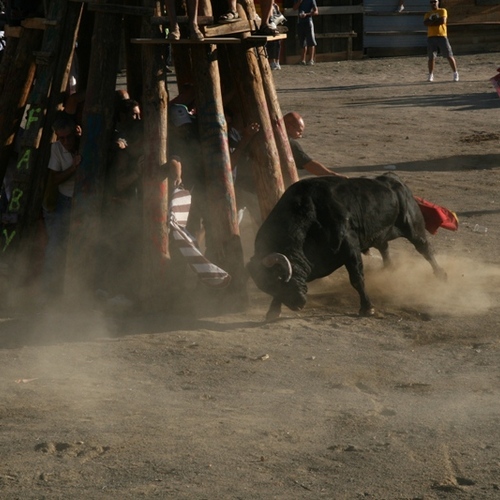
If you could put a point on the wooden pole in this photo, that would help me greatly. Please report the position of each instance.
(288, 168)
(133, 56)
(9, 54)
(223, 239)
(266, 165)
(69, 27)
(23, 187)
(181, 55)
(156, 257)
(97, 131)
(15, 93)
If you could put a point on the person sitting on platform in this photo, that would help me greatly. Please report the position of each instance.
(273, 48)
(267, 26)
(192, 12)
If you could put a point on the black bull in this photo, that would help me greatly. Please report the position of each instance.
(323, 223)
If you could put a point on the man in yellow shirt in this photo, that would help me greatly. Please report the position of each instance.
(437, 39)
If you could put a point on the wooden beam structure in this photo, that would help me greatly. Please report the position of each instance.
(97, 126)
(154, 283)
(196, 63)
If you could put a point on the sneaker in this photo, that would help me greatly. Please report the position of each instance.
(278, 65)
(400, 9)
(455, 76)
(273, 65)
(311, 62)
(301, 63)
(279, 19)
(430, 78)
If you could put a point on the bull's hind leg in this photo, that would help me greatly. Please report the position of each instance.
(383, 248)
(424, 248)
(354, 266)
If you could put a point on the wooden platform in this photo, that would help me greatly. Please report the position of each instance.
(252, 39)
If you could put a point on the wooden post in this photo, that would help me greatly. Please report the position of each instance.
(97, 130)
(23, 185)
(133, 55)
(9, 54)
(69, 26)
(155, 185)
(181, 55)
(223, 239)
(84, 49)
(288, 168)
(15, 93)
(266, 165)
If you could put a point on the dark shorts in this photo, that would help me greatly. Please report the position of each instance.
(273, 49)
(305, 32)
(438, 44)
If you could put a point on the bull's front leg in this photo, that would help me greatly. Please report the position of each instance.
(274, 310)
(354, 265)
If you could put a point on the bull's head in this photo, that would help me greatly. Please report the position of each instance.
(273, 275)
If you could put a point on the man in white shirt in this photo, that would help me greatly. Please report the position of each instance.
(63, 164)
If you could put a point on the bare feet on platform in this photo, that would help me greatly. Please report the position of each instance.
(195, 33)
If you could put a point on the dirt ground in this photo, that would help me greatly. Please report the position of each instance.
(321, 403)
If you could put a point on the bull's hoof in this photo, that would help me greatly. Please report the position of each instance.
(272, 315)
(441, 275)
(274, 311)
(367, 312)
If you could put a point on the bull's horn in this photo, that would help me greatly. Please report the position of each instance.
(282, 260)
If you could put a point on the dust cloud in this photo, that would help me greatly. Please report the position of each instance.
(471, 288)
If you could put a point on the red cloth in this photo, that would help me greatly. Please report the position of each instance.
(496, 82)
(436, 216)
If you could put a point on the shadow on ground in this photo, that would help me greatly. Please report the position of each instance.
(447, 164)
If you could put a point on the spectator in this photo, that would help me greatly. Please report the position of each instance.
(231, 15)
(245, 183)
(437, 39)
(295, 127)
(128, 115)
(274, 47)
(63, 164)
(267, 26)
(305, 29)
(185, 163)
(192, 11)
(120, 249)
